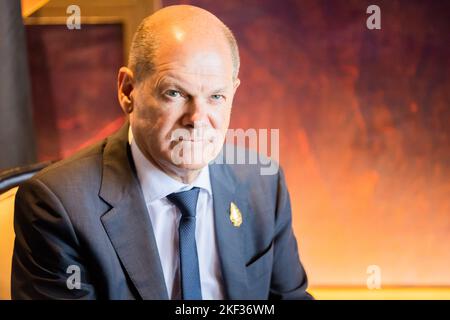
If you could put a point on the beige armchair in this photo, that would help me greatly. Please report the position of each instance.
(9, 182)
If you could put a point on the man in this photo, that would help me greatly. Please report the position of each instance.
(139, 216)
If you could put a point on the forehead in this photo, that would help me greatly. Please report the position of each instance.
(202, 65)
(199, 69)
(203, 53)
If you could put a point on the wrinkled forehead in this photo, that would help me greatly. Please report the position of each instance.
(206, 64)
(196, 51)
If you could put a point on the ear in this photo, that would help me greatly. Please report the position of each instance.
(125, 87)
(236, 84)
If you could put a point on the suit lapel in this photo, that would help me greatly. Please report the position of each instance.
(230, 239)
(127, 223)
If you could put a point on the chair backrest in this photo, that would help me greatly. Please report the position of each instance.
(9, 182)
(6, 240)
(13, 177)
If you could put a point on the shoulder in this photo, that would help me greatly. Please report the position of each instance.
(251, 169)
(81, 170)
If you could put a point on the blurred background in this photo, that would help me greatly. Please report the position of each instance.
(363, 118)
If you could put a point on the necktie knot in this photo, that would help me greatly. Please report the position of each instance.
(186, 201)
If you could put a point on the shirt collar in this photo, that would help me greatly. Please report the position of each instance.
(155, 183)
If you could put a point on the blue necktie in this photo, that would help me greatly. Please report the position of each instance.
(186, 201)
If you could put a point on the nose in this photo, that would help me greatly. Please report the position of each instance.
(195, 115)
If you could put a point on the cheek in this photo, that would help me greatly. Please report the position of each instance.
(220, 118)
(152, 115)
(164, 128)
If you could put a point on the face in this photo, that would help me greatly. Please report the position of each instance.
(181, 112)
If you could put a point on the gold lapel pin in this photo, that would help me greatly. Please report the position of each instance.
(235, 215)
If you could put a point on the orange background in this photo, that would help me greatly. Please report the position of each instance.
(363, 118)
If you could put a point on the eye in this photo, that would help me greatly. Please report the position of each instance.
(217, 96)
(173, 93)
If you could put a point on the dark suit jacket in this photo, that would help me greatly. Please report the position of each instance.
(89, 211)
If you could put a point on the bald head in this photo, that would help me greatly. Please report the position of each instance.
(180, 27)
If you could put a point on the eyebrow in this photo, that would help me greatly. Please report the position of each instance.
(171, 82)
(164, 83)
(222, 89)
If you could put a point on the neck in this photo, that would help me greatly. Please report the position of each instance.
(184, 176)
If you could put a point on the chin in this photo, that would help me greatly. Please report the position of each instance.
(187, 155)
(192, 166)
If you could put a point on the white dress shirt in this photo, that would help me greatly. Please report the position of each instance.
(165, 218)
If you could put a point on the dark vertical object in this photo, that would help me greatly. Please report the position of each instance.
(17, 145)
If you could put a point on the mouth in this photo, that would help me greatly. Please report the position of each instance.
(180, 139)
(195, 136)
(191, 140)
